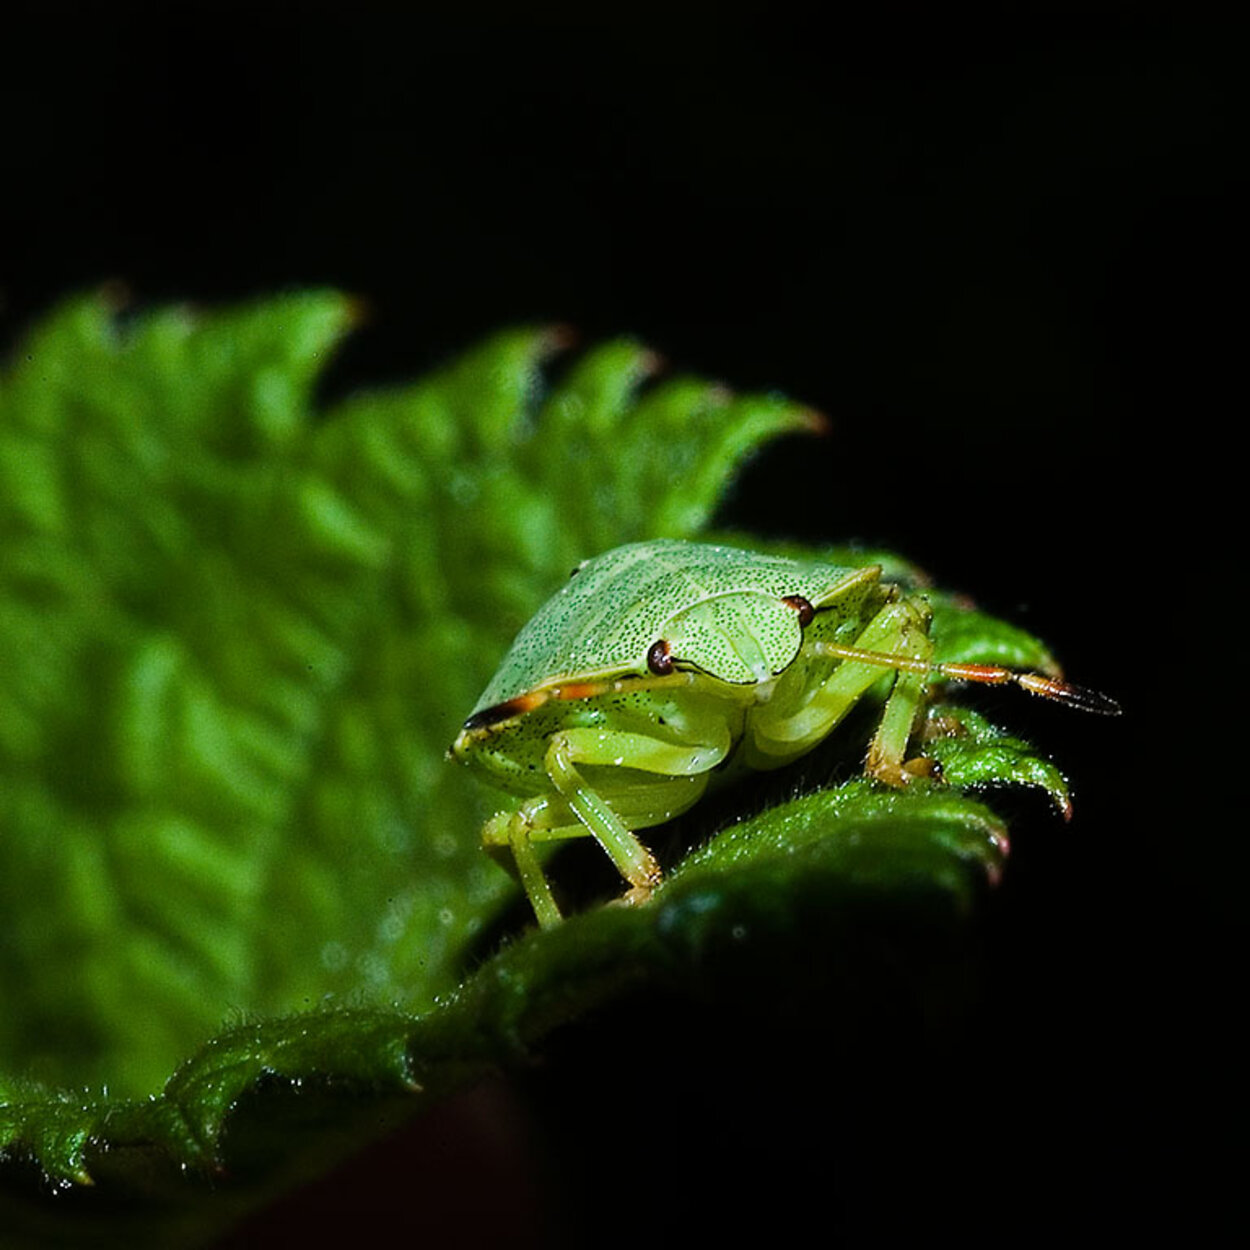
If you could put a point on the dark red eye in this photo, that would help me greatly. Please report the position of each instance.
(659, 660)
(802, 607)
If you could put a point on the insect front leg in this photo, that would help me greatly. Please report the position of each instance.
(887, 753)
(898, 632)
(615, 749)
(901, 630)
(609, 811)
(515, 830)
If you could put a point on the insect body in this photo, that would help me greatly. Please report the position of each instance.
(659, 661)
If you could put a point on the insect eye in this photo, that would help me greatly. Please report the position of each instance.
(659, 659)
(802, 607)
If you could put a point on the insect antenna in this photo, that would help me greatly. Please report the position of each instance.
(1080, 697)
(986, 674)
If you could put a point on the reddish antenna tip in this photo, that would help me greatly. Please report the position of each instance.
(651, 362)
(559, 336)
(360, 311)
(115, 294)
(816, 422)
(1065, 692)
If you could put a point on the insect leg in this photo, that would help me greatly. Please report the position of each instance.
(896, 634)
(550, 820)
(622, 749)
(887, 752)
(614, 748)
(634, 862)
(636, 803)
(515, 832)
(532, 876)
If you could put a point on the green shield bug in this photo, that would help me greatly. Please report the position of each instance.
(659, 661)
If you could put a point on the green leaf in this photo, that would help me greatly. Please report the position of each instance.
(826, 856)
(242, 635)
(245, 634)
(975, 754)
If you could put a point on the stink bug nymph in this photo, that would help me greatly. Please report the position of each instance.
(659, 660)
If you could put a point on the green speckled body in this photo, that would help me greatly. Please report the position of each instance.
(720, 609)
(661, 663)
(724, 615)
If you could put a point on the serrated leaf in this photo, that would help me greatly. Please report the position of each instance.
(247, 634)
(795, 873)
(246, 637)
(974, 753)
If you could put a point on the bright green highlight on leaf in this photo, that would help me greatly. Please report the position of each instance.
(241, 633)
(765, 878)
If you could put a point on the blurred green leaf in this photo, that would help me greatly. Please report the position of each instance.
(823, 855)
(242, 634)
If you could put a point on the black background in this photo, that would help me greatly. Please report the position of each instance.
(1000, 255)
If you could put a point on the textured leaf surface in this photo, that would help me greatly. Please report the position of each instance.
(246, 636)
(755, 891)
(243, 634)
